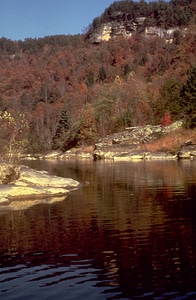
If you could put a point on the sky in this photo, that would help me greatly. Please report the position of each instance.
(20, 19)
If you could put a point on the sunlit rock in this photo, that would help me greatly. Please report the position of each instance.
(138, 155)
(43, 178)
(126, 28)
(187, 151)
(8, 173)
(52, 154)
(161, 156)
(36, 186)
(127, 145)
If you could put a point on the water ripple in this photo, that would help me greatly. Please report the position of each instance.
(129, 234)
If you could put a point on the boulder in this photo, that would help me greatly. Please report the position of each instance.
(42, 178)
(187, 151)
(8, 173)
(33, 187)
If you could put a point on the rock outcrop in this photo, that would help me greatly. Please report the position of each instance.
(8, 173)
(127, 144)
(188, 151)
(33, 187)
(113, 29)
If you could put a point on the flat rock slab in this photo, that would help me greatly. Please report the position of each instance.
(43, 178)
(34, 187)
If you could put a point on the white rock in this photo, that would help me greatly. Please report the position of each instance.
(35, 187)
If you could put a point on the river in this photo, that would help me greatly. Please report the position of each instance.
(128, 233)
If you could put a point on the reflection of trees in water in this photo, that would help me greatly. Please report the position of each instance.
(138, 233)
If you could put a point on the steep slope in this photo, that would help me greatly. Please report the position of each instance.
(71, 92)
(126, 18)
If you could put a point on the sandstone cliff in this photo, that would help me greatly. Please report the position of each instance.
(113, 29)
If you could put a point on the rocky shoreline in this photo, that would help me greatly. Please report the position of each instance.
(30, 187)
(128, 145)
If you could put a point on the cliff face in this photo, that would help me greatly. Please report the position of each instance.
(159, 18)
(113, 29)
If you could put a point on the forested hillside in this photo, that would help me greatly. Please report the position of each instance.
(70, 92)
(156, 13)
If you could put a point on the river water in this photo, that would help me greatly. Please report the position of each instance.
(128, 233)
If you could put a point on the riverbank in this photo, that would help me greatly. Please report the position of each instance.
(141, 142)
(135, 143)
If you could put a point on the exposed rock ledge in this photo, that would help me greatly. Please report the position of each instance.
(128, 145)
(33, 187)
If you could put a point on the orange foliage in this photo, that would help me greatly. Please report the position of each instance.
(171, 142)
(41, 81)
(166, 120)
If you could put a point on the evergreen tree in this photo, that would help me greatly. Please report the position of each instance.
(170, 97)
(127, 71)
(188, 97)
(62, 128)
(177, 37)
(90, 79)
(102, 73)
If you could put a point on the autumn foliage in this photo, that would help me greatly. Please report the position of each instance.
(14, 130)
(73, 92)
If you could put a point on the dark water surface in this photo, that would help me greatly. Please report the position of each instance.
(128, 234)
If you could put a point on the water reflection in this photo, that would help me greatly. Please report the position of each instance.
(129, 233)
